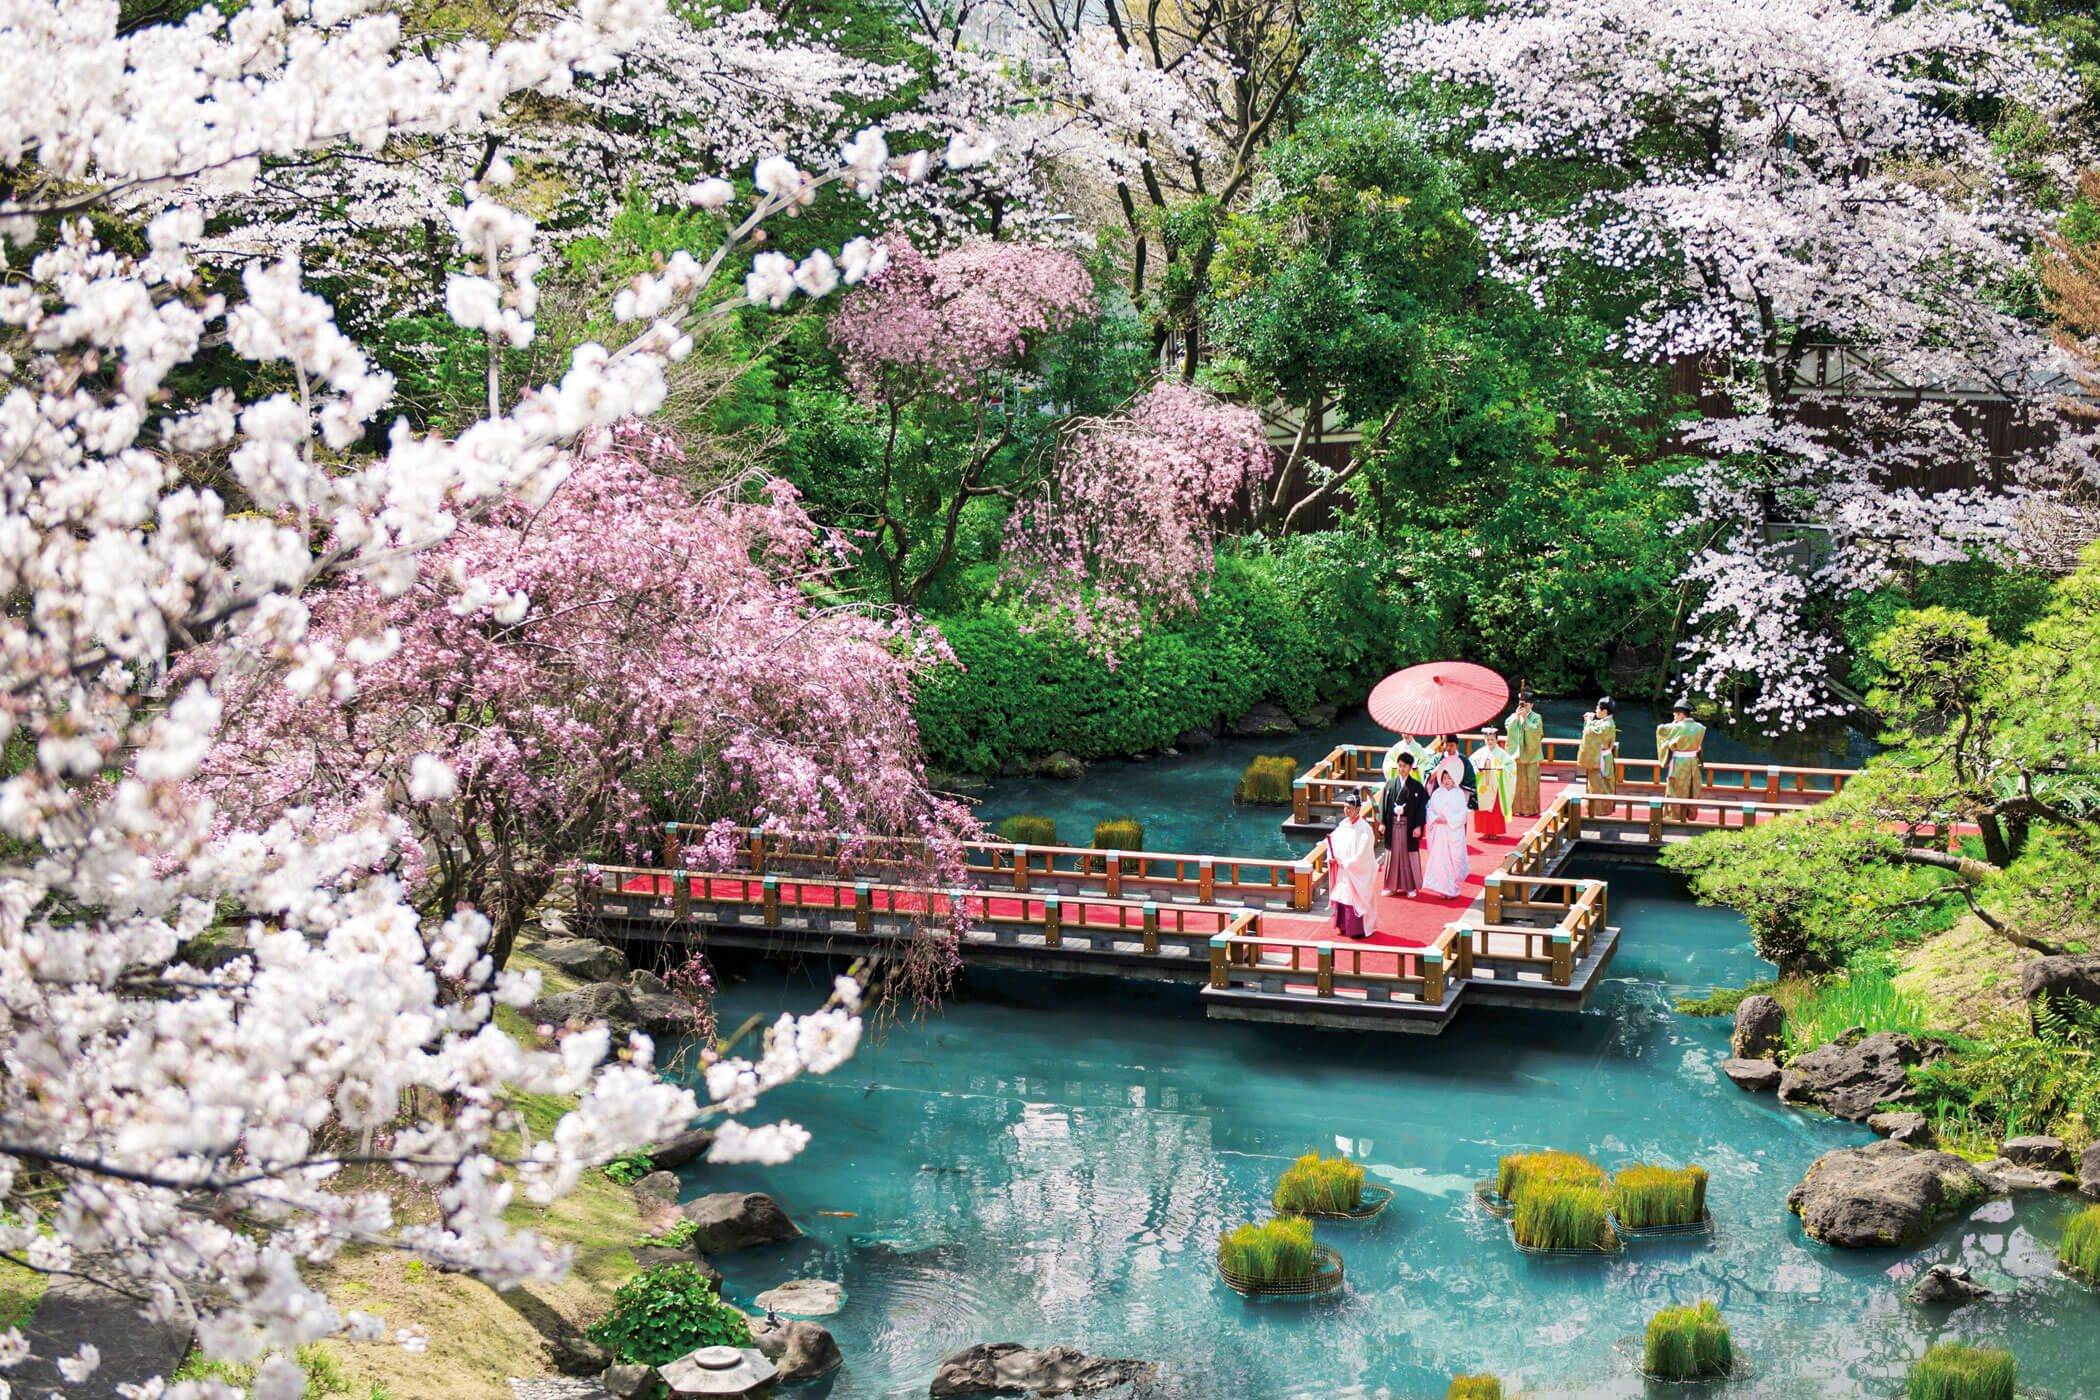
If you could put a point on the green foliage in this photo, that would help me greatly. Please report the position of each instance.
(1279, 1250)
(1722, 1001)
(1521, 1171)
(2007, 599)
(2080, 1250)
(1867, 998)
(1644, 1196)
(678, 1236)
(1481, 1387)
(1119, 834)
(1689, 1343)
(1267, 779)
(1029, 829)
(1017, 693)
(324, 1374)
(2013, 1082)
(662, 1313)
(1334, 1185)
(1958, 1371)
(1563, 1215)
(1361, 601)
(629, 1167)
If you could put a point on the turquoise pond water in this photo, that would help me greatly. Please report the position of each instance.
(1052, 1161)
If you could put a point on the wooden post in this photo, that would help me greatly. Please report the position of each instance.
(682, 895)
(670, 844)
(1052, 934)
(1602, 890)
(1461, 950)
(1301, 885)
(1326, 971)
(863, 906)
(1301, 804)
(771, 901)
(1206, 880)
(1772, 783)
(758, 850)
(1655, 822)
(1433, 977)
(1492, 913)
(1151, 926)
(1219, 943)
(1563, 958)
(1021, 868)
(1115, 874)
(1749, 815)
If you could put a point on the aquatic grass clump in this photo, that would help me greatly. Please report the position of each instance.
(1482, 1387)
(1868, 999)
(1958, 1371)
(1267, 779)
(1276, 1251)
(1314, 1185)
(1029, 830)
(1689, 1344)
(1121, 834)
(1523, 1169)
(2080, 1250)
(1645, 1196)
(1564, 1215)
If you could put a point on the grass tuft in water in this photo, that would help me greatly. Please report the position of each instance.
(1316, 1183)
(1868, 999)
(1524, 1169)
(1645, 1196)
(1275, 1251)
(1689, 1343)
(1029, 829)
(1563, 1215)
(1958, 1371)
(1121, 834)
(1267, 779)
(1481, 1387)
(2080, 1251)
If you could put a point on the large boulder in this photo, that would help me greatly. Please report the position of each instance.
(2011, 1176)
(1008, 1368)
(2073, 977)
(737, 1220)
(660, 1013)
(685, 1149)
(1262, 722)
(1194, 740)
(2089, 1172)
(1758, 1076)
(585, 959)
(1060, 765)
(1947, 1285)
(803, 1297)
(1885, 1194)
(631, 1382)
(1315, 718)
(609, 1002)
(658, 1186)
(803, 1350)
(1912, 1128)
(2047, 1154)
(1760, 1025)
(1850, 1081)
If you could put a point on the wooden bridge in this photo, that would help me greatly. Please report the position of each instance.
(1253, 934)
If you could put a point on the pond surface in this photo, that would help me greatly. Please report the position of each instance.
(1052, 1161)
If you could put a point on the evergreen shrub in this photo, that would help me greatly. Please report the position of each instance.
(1314, 1183)
(1644, 1196)
(1481, 1387)
(1122, 834)
(1268, 779)
(1029, 830)
(1688, 1344)
(1563, 1215)
(1276, 1251)
(1958, 1371)
(662, 1313)
(2080, 1250)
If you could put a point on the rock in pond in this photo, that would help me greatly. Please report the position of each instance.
(1912, 1128)
(1885, 1194)
(629, 1382)
(2071, 977)
(585, 959)
(1848, 1081)
(609, 1002)
(1758, 1076)
(683, 1150)
(1949, 1285)
(1195, 740)
(2015, 1177)
(1315, 718)
(1262, 722)
(2089, 1172)
(1060, 765)
(803, 1297)
(803, 1350)
(1008, 1368)
(1760, 1025)
(658, 1186)
(737, 1220)
(2047, 1154)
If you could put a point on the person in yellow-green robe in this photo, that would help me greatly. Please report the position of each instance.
(1527, 739)
(1496, 768)
(1598, 758)
(1678, 744)
(1421, 753)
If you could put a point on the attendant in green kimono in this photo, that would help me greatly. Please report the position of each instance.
(1527, 739)
(1496, 768)
(1598, 758)
(1421, 753)
(1677, 745)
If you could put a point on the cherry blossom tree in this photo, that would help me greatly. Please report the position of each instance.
(173, 1132)
(936, 334)
(1125, 530)
(1769, 177)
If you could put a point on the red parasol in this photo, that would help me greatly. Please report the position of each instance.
(1439, 697)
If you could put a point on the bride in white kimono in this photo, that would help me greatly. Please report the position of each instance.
(1444, 862)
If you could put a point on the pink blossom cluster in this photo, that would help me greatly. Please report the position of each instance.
(1126, 528)
(940, 324)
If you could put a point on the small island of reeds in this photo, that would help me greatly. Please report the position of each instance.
(1690, 1343)
(1958, 1371)
(1029, 829)
(1661, 1200)
(1557, 1202)
(1278, 1258)
(1330, 1188)
(1482, 1387)
(1267, 780)
(2079, 1254)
